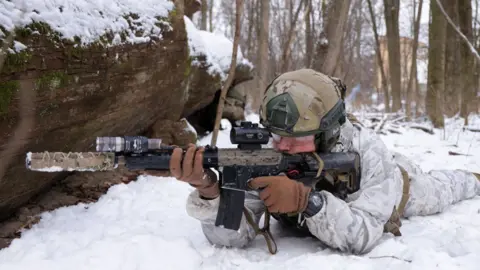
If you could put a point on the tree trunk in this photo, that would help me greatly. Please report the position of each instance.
(476, 27)
(308, 34)
(453, 80)
(204, 9)
(379, 57)
(468, 91)
(210, 16)
(413, 70)
(329, 46)
(393, 39)
(436, 65)
(287, 47)
(262, 56)
(251, 23)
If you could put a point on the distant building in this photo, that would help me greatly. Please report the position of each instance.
(405, 63)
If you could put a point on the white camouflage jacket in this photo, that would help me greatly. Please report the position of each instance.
(356, 224)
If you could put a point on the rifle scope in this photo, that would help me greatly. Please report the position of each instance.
(249, 133)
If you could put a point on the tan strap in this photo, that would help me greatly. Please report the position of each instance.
(405, 191)
(353, 119)
(265, 231)
(394, 222)
(321, 165)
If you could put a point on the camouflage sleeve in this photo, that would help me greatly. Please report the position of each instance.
(357, 224)
(206, 212)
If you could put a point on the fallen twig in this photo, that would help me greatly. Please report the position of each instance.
(452, 153)
(379, 126)
(390, 256)
(392, 130)
(423, 128)
(398, 118)
(471, 129)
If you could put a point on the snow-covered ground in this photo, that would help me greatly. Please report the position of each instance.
(144, 225)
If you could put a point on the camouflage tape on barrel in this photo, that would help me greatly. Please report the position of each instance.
(72, 161)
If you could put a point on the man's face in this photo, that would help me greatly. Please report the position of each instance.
(294, 145)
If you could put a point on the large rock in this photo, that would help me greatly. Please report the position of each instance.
(89, 90)
(84, 92)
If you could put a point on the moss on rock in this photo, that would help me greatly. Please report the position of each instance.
(52, 80)
(17, 61)
(7, 90)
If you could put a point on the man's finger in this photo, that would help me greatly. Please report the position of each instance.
(187, 167)
(273, 208)
(259, 182)
(175, 167)
(269, 201)
(264, 194)
(198, 166)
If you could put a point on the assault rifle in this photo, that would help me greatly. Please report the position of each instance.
(337, 172)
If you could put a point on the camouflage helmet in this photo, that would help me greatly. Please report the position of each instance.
(305, 102)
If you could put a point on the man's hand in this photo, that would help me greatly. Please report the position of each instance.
(191, 171)
(282, 194)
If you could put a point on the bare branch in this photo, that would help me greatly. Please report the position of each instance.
(379, 56)
(288, 43)
(231, 73)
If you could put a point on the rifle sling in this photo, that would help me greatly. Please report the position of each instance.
(265, 231)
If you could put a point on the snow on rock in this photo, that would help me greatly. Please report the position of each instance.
(144, 225)
(254, 118)
(189, 127)
(225, 124)
(215, 47)
(223, 138)
(87, 19)
(18, 46)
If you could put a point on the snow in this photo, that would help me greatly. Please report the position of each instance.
(215, 47)
(189, 127)
(87, 19)
(144, 225)
(253, 117)
(18, 46)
